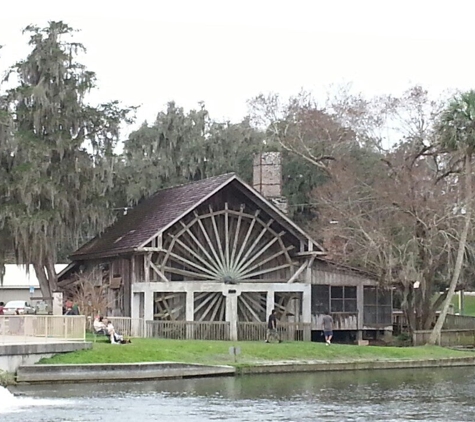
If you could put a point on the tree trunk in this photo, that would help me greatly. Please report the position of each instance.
(43, 281)
(52, 276)
(435, 335)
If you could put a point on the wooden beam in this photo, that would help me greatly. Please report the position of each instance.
(265, 261)
(186, 227)
(222, 312)
(133, 275)
(226, 234)
(205, 234)
(193, 264)
(146, 263)
(269, 270)
(248, 233)
(309, 253)
(245, 264)
(236, 234)
(302, 268)
(249, 308)
(264, 280)
(167, 255)
(211, 305)
(282, 245)
(207, 298)
(186, 273)
(217, 307)
(257, 240)
(148, 249)
(218, 238)
(196, 255)
(202, 248)
(158, 272)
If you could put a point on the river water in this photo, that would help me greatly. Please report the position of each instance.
(395, 395)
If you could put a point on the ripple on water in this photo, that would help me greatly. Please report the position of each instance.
(390, 396)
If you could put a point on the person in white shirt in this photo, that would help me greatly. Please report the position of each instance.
(99, 326)
(115, 338)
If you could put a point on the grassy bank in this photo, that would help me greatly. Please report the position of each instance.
(216, 352)
(6, 378)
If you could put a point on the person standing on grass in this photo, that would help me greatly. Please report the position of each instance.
(272, 327)
(327, 328)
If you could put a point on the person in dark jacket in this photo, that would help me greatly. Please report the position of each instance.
(272, 327)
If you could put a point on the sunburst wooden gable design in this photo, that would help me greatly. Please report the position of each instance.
(233, 241)
(213, 250)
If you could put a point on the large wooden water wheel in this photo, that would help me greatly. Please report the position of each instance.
(227, 246)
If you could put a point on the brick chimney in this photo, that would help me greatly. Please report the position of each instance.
(267, 178)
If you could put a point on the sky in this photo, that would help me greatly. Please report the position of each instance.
(146, 53)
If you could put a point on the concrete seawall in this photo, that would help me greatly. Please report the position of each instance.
(284, 367)
(171, 370)
(118, 372)
(14, 355)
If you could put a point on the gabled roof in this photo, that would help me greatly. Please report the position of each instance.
(165, 208)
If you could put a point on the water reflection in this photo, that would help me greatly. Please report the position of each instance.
(396, 395)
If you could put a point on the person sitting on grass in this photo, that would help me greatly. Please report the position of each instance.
(99, 326)
(115, 337)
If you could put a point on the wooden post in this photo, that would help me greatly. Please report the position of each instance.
(360, 307)
(307, 312)
(231, 315)
(461, 302)
(270, 302)
(190, 313)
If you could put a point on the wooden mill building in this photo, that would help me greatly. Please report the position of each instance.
(221, 250)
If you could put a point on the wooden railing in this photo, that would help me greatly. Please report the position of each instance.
(341, 321)
(453, 322)
(247, 331)
(288, 331)
(42, 326)
(457, 337)
(129, 327)
(180, 330)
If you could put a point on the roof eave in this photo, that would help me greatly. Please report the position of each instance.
(190, 209)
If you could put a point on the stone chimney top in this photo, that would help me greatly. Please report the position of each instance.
(267, 180)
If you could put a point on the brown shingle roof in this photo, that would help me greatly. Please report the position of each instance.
(150, 217)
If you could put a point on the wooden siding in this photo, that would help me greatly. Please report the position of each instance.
(341, 321)
(339, 278)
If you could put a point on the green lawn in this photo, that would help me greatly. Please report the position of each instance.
(217, 352)
(469, 305)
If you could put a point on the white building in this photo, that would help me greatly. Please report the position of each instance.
(18, 284)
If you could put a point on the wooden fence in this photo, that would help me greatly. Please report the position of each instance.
(26, 327)
(247, 331)
(450, 337)
(179, 330)
(129, 327)
(458, 330)
(288, 331)
(455, 322)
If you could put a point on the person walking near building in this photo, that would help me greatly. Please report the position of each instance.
(327, 323)
(272, 327)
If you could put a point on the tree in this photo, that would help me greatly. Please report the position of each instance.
(181, 147)
(311, 138)
(457, 137)
(390, 210)
(57, 162)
